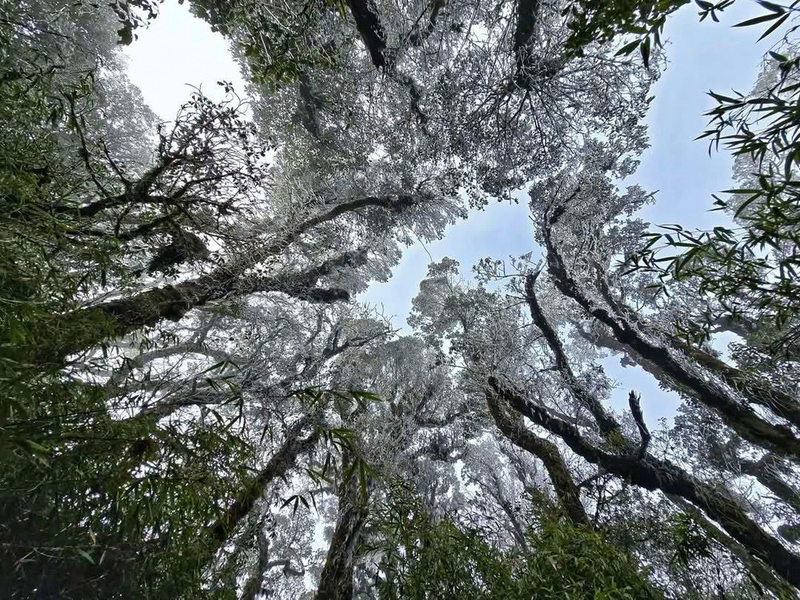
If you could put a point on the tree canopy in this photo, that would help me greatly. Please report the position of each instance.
(196, 405)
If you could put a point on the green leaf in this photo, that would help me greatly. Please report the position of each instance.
(366, 395)
(757, 20)
(85, 555)
(645, 50)
(774, 26)
(35, 446)
(628, 48)
(776, 8)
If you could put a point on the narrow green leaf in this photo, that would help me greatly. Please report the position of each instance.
(645, 50)
(628, 48)
(757, 20)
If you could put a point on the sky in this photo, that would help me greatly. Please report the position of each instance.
(178, 51)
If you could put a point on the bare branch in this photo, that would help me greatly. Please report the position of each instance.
(644, 433)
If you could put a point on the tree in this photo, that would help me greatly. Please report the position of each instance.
(750, 270)
(588, 429)
(195, 405)
(99, 446)
(421, 87)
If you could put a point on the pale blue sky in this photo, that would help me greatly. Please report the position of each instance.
(179, 50)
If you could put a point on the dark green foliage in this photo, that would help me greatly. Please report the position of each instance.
(104, 508)
(94, 501)
(430, 558)
(601, 21)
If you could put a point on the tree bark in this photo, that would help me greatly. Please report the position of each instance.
(568, 494)
(527, 13)
(419, 33)
(116, 318)
(87, 327)
(739, 416)
(606, 423)
(766, 473)
(283, 460)
(756, 391)
(654, 474)
(757, 569)
(370, 29)
(336, 580)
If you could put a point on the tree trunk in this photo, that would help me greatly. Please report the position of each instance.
(568, 494)
(117, 318)
(654, 474)
(767, 473)
(757, 569)
(336, 580)
(739, 416)
(283, 460)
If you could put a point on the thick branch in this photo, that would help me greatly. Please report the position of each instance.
(283, 460)
(757, 569)
(740, 417)
(120, 317)
(308, 110)
(654, 474)
(370, 29)
(756, 391)
(419, 34)
(336, 580)
(568, 493)
(527, 13)
(605, 422)
(766, 471)
(396, 204)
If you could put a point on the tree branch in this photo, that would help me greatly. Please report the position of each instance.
(644, 433)
(120, 317)
(606, 423)
(567, 492)
(655, 474)
(283, 460)
(370, 29)
(740, 417)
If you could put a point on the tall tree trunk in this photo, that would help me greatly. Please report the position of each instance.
(605, 421)
(568, 494)
(757, 569)
(336, 580)
(117, 318)
(283, 460)
(738, 415)
(767, 472)
(654, 474)
(88, 327)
